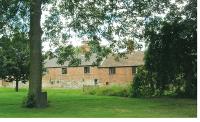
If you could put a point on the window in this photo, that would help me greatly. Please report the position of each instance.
(64, 70)
(86, 69)
(95, 82)
(112, 70)
(134, 70)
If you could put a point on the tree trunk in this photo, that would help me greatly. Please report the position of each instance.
(35, 84)
(17, 86)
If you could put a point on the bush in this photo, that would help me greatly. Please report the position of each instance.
(111, 90)
(143, 84)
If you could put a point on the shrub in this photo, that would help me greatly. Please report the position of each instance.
(111, 90)
(143, 84)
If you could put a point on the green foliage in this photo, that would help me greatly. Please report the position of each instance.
(112, 90)
(71, 53)
(100, 51)
(104, 19)
(172, 50)
(143, 83)
(14, 58)
(67, 53)
(14, 15)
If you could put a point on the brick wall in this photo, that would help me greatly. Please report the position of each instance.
(122, 75)
(76, 78)
(13, 84)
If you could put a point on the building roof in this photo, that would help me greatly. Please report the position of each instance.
(53, 62)
(133, 59)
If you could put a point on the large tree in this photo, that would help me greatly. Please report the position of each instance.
(121, 23)
(25, 16)
(115, 21)
(172, 50)
(14, 58)
(35, 96)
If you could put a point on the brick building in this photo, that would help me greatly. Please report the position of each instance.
(110, 71)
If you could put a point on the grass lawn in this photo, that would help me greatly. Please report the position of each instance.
(72, 103)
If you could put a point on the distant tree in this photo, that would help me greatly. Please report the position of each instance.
(14, 58)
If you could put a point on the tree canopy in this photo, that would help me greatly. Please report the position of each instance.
(14, 58)
(171, 57)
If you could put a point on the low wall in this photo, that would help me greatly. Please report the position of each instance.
(57, 84)
(69, 84)
(12, 84)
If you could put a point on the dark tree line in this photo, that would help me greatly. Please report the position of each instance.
(171, 57)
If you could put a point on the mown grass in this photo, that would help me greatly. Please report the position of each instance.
(73, 103)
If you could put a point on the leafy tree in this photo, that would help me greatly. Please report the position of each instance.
(172, 50)
(14, 55)
(100, 51)
(71, 53)
(24, 15)
(113, 20)
(14, 16)
(67, 53)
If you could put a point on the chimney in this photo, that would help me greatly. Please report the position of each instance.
(85, 47)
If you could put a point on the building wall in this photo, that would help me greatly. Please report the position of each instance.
(76, 78)
(122, 75)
